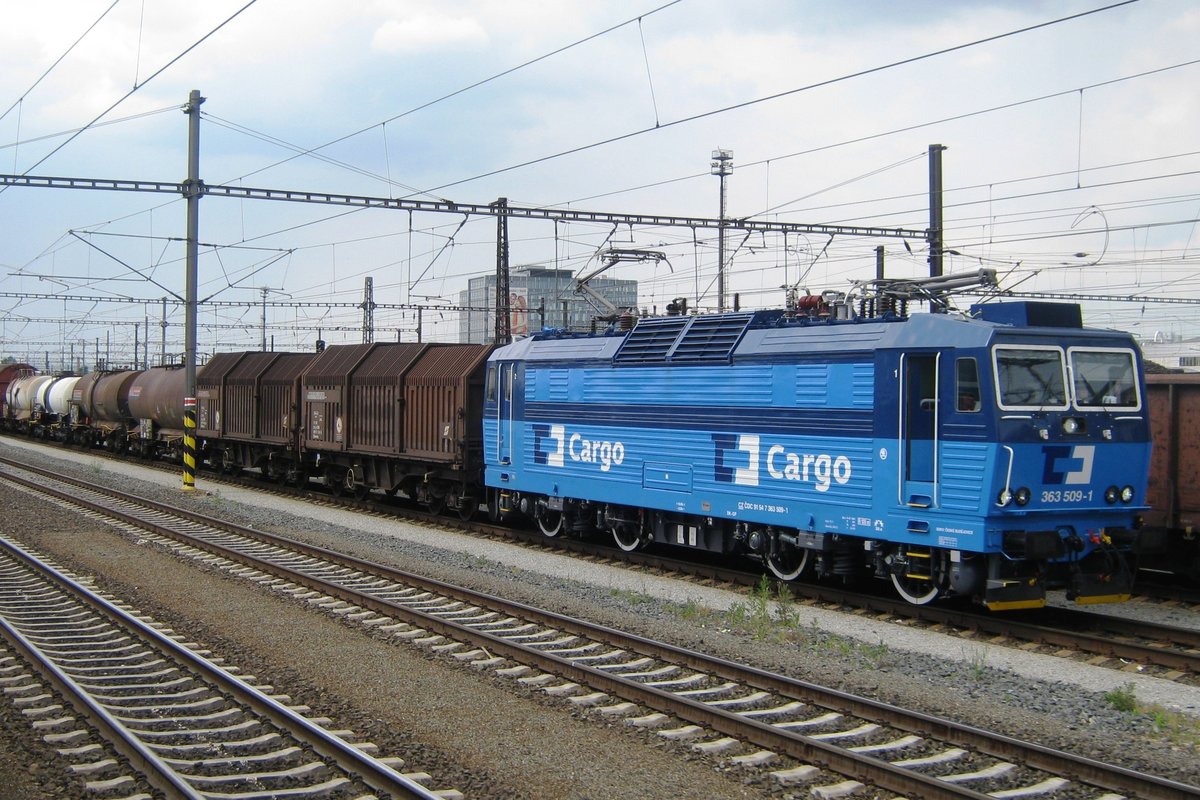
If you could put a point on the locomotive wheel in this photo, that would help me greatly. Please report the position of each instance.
(914, 574)
(493, 505)
(785, 561)
(550, 522)
(627, 537)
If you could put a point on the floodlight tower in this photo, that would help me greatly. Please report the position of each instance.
(722, 167)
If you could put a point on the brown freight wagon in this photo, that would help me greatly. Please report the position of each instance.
(209, 382)
(397, 417)
(352, 398)
(1174, 481)
(254, 419)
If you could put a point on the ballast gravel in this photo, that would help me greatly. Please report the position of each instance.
(491, 738)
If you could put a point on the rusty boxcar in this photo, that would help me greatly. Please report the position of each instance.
(1174, 485)
(253, 418)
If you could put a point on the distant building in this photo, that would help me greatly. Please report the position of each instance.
(1173, 352)
(531, 287)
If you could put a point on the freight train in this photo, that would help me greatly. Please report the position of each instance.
(991, 455)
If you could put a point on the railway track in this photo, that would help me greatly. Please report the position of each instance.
(799, 731)
(180, 723)
(1105, 639)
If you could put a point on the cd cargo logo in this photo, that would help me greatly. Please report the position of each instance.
(552, 445)
(821, 469)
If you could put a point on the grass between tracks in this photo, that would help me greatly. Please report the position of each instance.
(770, 615)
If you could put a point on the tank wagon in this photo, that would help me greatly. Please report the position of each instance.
(8, 374)
(992, 455)
(38, 404)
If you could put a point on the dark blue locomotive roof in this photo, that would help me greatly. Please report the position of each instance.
(727, 338)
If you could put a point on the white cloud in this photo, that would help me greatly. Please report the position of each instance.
(426, 32)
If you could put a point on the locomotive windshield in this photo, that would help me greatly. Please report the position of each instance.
(1030, 377)
(1104, 379)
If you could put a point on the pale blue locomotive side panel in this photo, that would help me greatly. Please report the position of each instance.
(773, 443)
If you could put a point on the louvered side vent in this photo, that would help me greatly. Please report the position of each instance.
(710, 339)
(650, 341)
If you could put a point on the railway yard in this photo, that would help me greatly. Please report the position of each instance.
(472, 720)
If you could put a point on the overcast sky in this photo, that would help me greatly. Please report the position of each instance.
(1071, 164)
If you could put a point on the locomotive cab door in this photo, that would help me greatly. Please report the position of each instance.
(504, 412)
(918, 424)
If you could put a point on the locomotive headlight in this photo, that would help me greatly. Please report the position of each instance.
(1127, 494)
(1022, 496)
(1072, 425)
(1004, 498)
(1111, 494)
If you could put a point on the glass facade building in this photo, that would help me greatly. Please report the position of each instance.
(530, 288)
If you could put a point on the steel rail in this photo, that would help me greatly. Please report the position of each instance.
(867, 768)
(372, 772)
(1011, 625)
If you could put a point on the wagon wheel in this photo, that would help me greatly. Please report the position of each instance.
(340, 482)
(468, 507)
(436, 503)
(786, 562)
(361, 491)
(229, 464)
(915, 574)
(298, 477)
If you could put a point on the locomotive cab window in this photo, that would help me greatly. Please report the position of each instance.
(491, 383)
(966, 372)
(1104, 379)
(1030, 377)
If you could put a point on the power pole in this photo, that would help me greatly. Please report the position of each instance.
(368, 307)
(192, 190)
(162, 356)
(503, 282)
(936, 243)
(722, 167)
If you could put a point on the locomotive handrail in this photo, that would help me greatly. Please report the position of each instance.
(937, 394)
(1008, 477)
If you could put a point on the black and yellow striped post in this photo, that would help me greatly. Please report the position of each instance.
(189, 444)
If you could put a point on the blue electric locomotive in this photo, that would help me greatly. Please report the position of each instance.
(991, 455)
